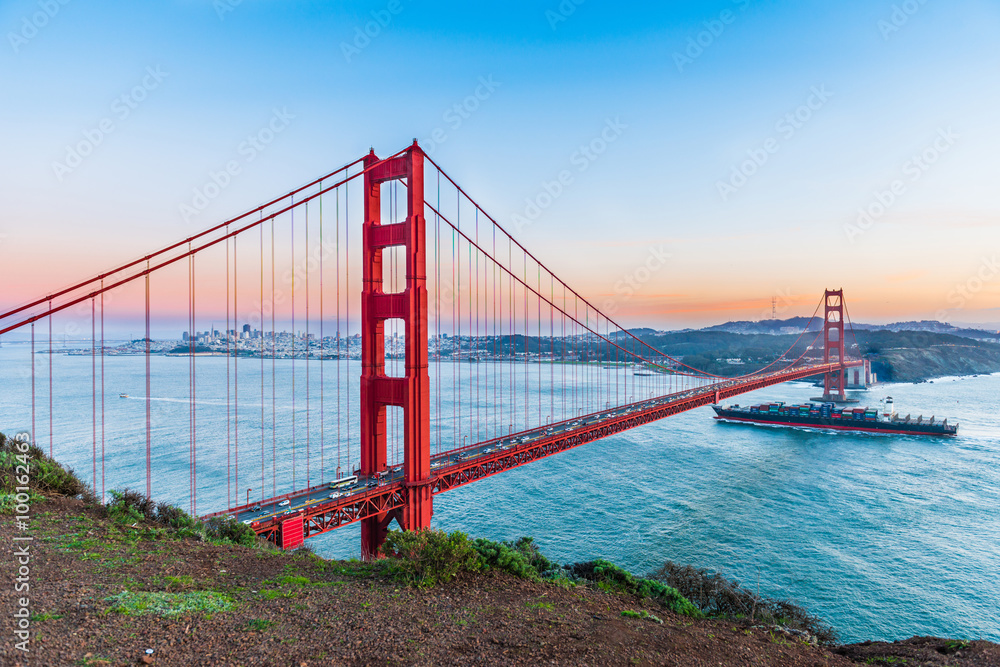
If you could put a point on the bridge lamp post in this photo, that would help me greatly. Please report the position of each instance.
(248, 495)
(465, 439)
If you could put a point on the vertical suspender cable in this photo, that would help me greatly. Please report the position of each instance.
(479, 405)
(437, 290)
(229, 419)
(339, 360)
(293, 342)
(274, 379)
(527, 386)
(192, 336)
(322, 351)
(473, 410)
(149, 404)
(194, 388)
(51, 435)
(93, 385)
(261, 334)
(33, 381)
(236, 374)
(102, 392)
(456, 314)
(347, 293)
(307, 346)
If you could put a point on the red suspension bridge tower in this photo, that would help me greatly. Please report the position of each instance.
(833, 345)
(412, 391)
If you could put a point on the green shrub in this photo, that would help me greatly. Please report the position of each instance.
(500, 556)
(718, 596)
(520, 558)
(427, 557)
(610, 577)
(174, 517)
(228, 530)
(45, 475)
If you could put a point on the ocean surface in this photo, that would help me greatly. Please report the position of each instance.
(882, 536)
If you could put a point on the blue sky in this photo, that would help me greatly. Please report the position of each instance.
(895, 78)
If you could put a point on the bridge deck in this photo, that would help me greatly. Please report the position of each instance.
(320, 512)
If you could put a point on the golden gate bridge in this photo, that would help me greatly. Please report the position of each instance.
(475, 358)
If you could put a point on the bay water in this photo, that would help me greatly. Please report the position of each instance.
(882, 536)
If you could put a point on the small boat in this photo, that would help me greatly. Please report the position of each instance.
(122, 395)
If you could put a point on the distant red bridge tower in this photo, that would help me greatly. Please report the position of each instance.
(833, 346)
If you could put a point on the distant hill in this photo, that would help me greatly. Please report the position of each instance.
(767, 326)
(795, 324)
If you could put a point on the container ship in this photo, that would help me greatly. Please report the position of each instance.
(829, 416)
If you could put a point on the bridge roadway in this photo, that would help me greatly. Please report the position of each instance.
(322, 508)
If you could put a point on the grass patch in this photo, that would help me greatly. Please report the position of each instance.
(184, 582)
(45, 617)
(276, 593)
(169, 604)
(258, 625)
(643, 615)
(954, 645)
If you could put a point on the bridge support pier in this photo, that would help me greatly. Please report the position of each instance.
(412, 391)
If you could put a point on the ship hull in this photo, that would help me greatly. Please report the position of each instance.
(799, 421)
